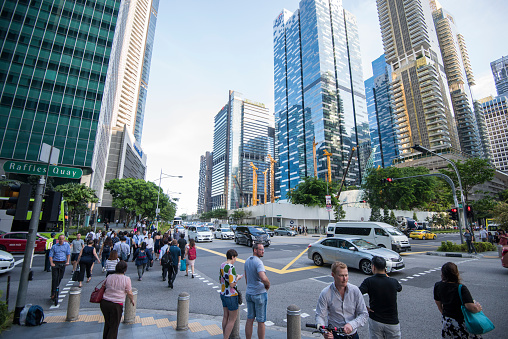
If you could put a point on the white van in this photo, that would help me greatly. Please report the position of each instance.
(378, 233)
(200, 233)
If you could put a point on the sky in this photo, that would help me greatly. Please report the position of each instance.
(205, 48)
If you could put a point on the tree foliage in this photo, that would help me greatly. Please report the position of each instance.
(312, 192)
(501, 214)
(339, 212)
(219, 213)
(375, 214)
(238, 215)
(77, 196)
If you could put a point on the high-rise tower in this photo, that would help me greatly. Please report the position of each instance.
(421, 96)
(500, 71)
(205, 183)
(319, 93)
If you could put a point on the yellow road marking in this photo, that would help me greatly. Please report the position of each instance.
(268, 268)
(409, 253)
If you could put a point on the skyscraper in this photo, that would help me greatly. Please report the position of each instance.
(205, 183)
(420, 93)
(500, 72)
(243, 134)
(319, 93)
(55, 65)
(496, 116)
(460, 77)
(382, 126)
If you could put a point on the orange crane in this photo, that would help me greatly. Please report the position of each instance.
(314, 144)
(272, 179)
(328, 155)
(254, 184)
(264, 173)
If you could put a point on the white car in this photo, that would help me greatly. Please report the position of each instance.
(199, 233)
(6, 262)
(224, 233)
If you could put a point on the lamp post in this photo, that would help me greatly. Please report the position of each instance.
(462, 217)
(157, 211)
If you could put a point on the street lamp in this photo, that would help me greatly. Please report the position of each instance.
(462, 218)
(162, 176)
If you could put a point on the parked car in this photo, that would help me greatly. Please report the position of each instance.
(285, 231)
(199, 233)
(354, 252)
(504, 258)
(249, 235)
(16, 242)
(270, 232)
(6, 262)
(224, 233)
(180, 229)
(422, 235)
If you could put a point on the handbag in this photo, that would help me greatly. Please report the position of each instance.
(240, 296)
(476, 323)
(183, 265)
(98, 293)
(75, 275)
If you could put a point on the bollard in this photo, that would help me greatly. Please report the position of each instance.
(235, 333)
(73, 305)
(129, 316)
(294, 322)
(182, 312)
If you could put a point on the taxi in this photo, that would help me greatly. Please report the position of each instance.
(422, 234)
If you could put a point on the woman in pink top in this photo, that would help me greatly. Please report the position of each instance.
(118, 286)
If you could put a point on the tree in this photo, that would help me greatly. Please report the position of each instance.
(393, 219)
(77, 196)
(501, 214)
(375, 214)
(339, 212)
(440, 219)
(484, 207)
(219, 213)
(473, 171)
(386, 216)
(238, 215)
(312, 191)
(415, 217)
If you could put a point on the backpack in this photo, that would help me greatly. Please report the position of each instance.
(35, 316)
(192, 253)
(167, 258)
(123, 256)
(142, 255)
(89, 236)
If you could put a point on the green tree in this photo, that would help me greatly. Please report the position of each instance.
(484, 207)
(415, 217)
(393, 219)
(440, 219)
(238, 215)
(339, 212)
(473, 171)
(375, 214)
(77, 196)
(386, 216)
(501, 214)
(503, 196)
(312, 192)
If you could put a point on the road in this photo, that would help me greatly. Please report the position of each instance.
(295, 280)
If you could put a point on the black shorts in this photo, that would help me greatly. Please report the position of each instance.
(74, 256)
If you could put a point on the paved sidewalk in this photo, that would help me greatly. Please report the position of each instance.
(149, 324)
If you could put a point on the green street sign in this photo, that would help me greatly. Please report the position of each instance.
(40, 169)
(460, 205)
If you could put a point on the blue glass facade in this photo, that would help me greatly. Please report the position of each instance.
(382, 122)
(319, 93)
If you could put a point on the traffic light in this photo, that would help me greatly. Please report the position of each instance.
(52, 205)
(99, 219)
(453, 213)
(22, 201)
(470, 213)
(389, 180)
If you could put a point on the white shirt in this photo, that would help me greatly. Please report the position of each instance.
(149, 242)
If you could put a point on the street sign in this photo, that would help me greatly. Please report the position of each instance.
(40, 169)
(460, 205)
(46, 150)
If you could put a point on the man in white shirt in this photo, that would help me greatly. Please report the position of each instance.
(149, 248)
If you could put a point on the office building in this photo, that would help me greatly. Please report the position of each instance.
(500, 72)
(319, 94)
(496, 117)
(460, 77)
(243, 135)
(383, 136)
(483, 130)
(205, 183)
(55, 79)
(421, 97)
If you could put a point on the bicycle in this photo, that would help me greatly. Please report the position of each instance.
(335, 330)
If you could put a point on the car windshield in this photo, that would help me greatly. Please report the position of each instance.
(393, 231)
(203, 229)
(256, 230)
(364, 244)
(224, 229)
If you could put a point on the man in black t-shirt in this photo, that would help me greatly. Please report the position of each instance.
(382, 291)
(181, 243)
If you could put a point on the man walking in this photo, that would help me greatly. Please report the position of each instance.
(382, 291)
(469, 241)
(59, 257)
(149, 248)
(122, 249)
(165, 266)
(256, 293)
(176, 254)
(483, 234)
(49, 243)
(76, 247)
(341, 304)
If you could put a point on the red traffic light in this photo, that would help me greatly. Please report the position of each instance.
(454, 210)
(389, 179)
(469, 208)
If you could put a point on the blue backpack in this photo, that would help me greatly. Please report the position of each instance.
(35, 316)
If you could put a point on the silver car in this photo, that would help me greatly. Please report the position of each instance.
(354, 252)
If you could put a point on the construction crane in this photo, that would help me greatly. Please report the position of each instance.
(264, 173)
(328, 155)
(314, 144)
(345, 171)
(254, 184)
(272, 179)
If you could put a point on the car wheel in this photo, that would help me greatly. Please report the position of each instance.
(381, 245)
(249, 243)
(318, 260)
(423, 237)
(2, 248)
(366, 266)
(434, 237)
(276, 233)
(236, 240)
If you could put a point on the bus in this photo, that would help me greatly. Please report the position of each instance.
(8, 224)
(177, 221)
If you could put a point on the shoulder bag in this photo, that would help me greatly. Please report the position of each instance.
(476, 323)
(98, 293)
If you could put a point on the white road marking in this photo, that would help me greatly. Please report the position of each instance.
(403, 279)
(64, 292)
(269, 323)
(218, 291)
(67, 288)
(285, 320)
(57, 306)
(210, 284)
(205, 280)
(305, 315)
(201, 278)
(410, 277)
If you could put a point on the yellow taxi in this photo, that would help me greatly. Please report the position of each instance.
(422, 235)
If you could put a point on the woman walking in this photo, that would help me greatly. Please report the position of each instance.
(107, 246)
(229, 295)
(111, 262)
(118, 286)
(86, 259)
(190, 254)
(142, 257)
(446, 296)
(157, 244)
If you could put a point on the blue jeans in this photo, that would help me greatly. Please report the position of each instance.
(230, 302)
(256, 306)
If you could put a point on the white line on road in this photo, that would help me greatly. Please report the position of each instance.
(210, 284)
(403, 279)
(269, 323)
(57, 306)
(215, 287)
(205, 280)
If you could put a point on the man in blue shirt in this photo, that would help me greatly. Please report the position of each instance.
(59, 257)
(176, 255)
(165, 268)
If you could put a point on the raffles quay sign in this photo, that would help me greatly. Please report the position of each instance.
(40, 169)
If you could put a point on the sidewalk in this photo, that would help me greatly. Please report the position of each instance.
(149, 323)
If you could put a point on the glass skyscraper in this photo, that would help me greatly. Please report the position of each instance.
(54, 58)
(500, 72)
(383, 134)
(319, 93)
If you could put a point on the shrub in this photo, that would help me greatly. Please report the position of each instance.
(448, 246)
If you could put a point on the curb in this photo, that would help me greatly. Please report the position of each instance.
(454, 254)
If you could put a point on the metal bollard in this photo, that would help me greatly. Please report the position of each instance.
(235, 333)
(129, 316)
(294, 322)
(182, 312)
(73, 305)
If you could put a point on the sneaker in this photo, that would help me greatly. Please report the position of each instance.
(139, 279)
(163, 279)
(193, 276)
(103, 269)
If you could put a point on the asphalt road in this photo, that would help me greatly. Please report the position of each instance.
(295, 280)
